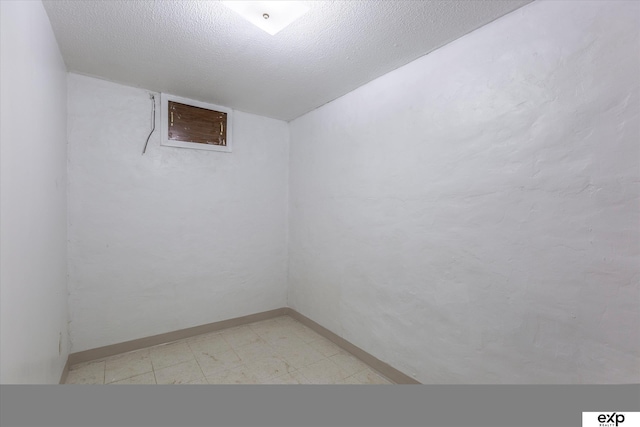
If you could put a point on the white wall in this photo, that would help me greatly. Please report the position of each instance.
(472, 217)
(33, 206)
(177, 237)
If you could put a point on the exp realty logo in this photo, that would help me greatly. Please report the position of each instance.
(610, 419)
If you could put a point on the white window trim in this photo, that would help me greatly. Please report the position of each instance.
(164, 124)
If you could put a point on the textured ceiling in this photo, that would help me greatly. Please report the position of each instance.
(202, 50)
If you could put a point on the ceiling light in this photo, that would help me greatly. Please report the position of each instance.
(271, 16)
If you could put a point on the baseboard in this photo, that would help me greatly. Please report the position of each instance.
(383, 368)
(111, 350)
(65, 372)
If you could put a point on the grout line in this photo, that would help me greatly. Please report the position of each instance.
(154, 373)
(198, 363)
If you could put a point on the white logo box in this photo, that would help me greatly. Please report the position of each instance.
(611, 419)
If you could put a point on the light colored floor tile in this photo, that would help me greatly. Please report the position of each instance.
(86, 373)
(147, 378)
(323, 372)
(239, 375)
(240, 336)
(263, 325)
(287, 343)
(212, 363)
(286, 320)
(204, 336)
(267, 367)
(170, 354)
(85, 364)
(127, 365)
(273, 320)
(299, 356)
(348, 363)
(368, 376)
(273, 332)
(292, 378)
(325, 347)
(210, 344)
(291, 324)
(182, 373)
(306, 334)
(297, 375)
(255, 350)
(349, 380)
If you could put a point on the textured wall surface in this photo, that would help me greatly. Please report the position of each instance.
(473, 217)
(203, 50)
(177, 237)
(33, 177)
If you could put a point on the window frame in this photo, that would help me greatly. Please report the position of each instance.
(164, 124)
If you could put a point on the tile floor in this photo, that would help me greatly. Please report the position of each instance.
(275, 351)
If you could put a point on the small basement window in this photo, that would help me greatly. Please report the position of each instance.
(194, 124)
